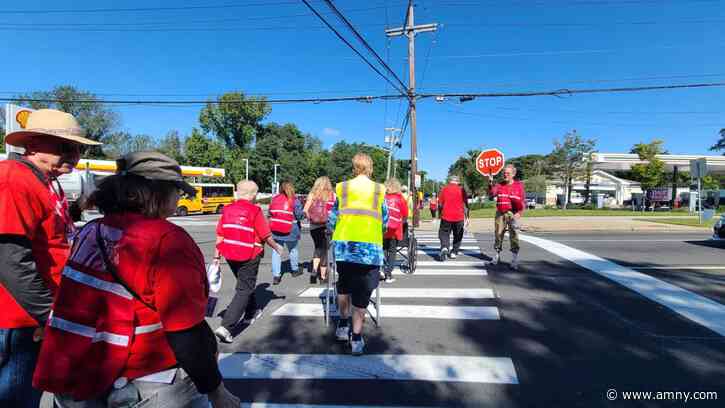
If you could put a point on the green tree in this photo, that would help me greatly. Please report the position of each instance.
(95, 118)
(567, 160)
(720, 145)
(536, 184)
(118, 144)
(530, 165)
(650, 174)
(340, 164)
(202, 151)
(234, 119)
(172, 145)
(710, 182)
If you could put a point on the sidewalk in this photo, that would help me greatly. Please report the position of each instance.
(578, 223)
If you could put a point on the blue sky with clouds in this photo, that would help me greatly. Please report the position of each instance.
(279, 49)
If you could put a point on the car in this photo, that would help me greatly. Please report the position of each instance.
(531, 203)
(718, 230)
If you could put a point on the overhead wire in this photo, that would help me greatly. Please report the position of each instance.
(362, 39)
(337, 33)
(145, 9)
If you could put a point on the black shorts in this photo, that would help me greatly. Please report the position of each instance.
(358, 281)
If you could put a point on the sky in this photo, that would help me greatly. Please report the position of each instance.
(278, 48)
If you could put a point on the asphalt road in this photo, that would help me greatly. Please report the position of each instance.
(554, 333)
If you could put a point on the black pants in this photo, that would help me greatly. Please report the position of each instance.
(444, 234)
(321, 241)
(244, 301)
(433, 213)
(390, 245)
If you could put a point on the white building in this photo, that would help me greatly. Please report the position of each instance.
(615, 190)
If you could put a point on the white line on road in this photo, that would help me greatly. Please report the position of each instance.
(683, 302)
(436, 248)
(434, 251)
(399, 311)
(405, 367)
(272, 405)
(452, 263)
(681, 267)
(444, 272)
(434, 293)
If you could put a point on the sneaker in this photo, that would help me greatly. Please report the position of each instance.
(515, 262)
(276, 280)
(223, 335)
(443, 255)
(496, 258)
(389, 279)
(250, 320)
(358, 346)
(453, 255)
(343, 333)
(296, 273)
(382, 276)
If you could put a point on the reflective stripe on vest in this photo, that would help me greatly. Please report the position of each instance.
(237, 226)
(240, 243)
(280, 220)
(88, 331)
(373, 212)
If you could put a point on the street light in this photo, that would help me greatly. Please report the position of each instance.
(392, 140)
(274, 187)
(246, 165)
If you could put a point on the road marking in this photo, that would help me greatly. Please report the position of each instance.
(272, 405)
(399, 311)
(433, 251)
(450, 263)
(444, 272)
(433, 293)
(688, 268)
(436, 248)
(697, 308)
(406, 367)
(642, 241)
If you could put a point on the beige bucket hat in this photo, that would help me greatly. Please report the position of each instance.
(50, 122)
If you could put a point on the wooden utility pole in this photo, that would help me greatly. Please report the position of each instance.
(410, 30)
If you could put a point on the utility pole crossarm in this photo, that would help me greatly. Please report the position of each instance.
(422, 28)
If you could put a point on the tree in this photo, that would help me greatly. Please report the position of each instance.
(340, 164)
(202, 151)
(172, 145)
(95, 118)
(567, 160)
(536, 184)
(649, 174)
(530, 165)
(710, 182)
(118, 144)
(234, 119)
(720, 145)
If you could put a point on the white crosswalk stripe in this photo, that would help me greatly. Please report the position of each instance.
(398, 311)
(444, 272)
(433, 293)
(452, 263)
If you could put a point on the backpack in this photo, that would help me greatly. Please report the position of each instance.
(318, 213)
(395, 218)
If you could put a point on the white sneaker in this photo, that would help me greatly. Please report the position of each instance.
(342, 333)
(223, 335)
(496, 258)
(250, 320)
(390, 280)
(453, 255)
(515, 262)
(358, 347)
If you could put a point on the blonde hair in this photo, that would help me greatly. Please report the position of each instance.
(322, 189)
(288, 189)
(362, 164)
(392, 186)
(247, 189)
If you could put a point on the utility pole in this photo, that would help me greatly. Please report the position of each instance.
(410, 30)
(391, 140)
(246, 166)
(275, 187)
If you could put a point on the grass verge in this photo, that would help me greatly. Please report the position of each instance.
(689, 222)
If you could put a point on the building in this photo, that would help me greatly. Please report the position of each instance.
(616, 191)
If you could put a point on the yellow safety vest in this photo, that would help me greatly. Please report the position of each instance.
(360, 211)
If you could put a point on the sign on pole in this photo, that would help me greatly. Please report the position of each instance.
(490, 162)
(698, 168)
(16, 117)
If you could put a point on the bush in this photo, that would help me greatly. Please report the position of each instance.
(483, 205)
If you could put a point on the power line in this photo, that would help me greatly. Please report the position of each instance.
(364, 42)
(351, 46)
(366, 99)
(581, 25)
(568, 92)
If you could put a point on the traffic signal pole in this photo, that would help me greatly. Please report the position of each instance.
(410, 30)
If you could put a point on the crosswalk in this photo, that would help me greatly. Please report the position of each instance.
(429, 298)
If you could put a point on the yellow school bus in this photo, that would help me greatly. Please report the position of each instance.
(210, 198)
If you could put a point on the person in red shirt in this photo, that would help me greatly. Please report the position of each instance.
(453, 204)
(241, 233)
(510, 198)
(397, 215)
(433, 205)
(34, 227)
(136, 286)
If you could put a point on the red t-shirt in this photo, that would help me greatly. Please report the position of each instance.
(261, 227)
(453, 200)
(509, 197)
(27, 208)
(163, 265)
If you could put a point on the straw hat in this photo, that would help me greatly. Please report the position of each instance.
(50, 122)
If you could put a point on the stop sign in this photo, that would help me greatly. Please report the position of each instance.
(490, 161)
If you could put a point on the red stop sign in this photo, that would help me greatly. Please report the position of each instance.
(490, 161)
